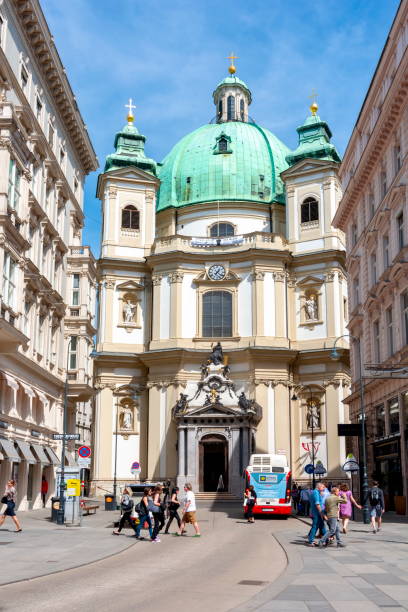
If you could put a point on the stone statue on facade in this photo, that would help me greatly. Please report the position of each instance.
(126, 419)
(244, 402)
(217, 355)
(311, 308)
(313, 416)
(181, 405)
(129, 310)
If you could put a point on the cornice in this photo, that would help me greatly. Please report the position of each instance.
(41, 43)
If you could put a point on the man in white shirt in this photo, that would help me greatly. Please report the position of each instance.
(189, 512)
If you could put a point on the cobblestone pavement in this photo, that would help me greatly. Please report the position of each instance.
(370, 574)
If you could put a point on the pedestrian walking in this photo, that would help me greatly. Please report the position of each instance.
(295, 496)
(305, 494)
(44, 490)
(126, 506)
(157, 510)
(174, 505)
(317, 513)
(330, 514)
(346, 508)
(189, 512)
(9, 498)
(377, 506)
(142, 509)
(250, 496)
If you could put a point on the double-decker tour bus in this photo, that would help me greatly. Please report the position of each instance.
(270, 475)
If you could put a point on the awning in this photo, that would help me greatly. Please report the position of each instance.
(69, 459)
(27, 389)
(10, 380)
(9, 451)
(53, 457)
(43, 398)
(39, 451)
(26, 451)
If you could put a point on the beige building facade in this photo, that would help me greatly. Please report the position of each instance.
(221, 291)
(373, 214)
(47, 289)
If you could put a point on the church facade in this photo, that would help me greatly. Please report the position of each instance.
(222, 292)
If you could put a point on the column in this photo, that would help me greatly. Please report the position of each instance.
(22, 486)
(176, 280)
(181, 451)
(153, 458)
(331, 307)
(109, 284)
(257, 278)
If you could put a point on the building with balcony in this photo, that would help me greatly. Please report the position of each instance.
(48, 277)
(221, 291)
(373, 213)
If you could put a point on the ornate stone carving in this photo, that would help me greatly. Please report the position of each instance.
(112, 192)
(109, 283)
(257, 276)
(279, 276)
(176, 277)
(330, 276)
(156, 280)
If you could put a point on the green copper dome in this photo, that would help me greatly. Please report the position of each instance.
(246, 167)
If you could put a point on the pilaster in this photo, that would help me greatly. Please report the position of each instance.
(257, 278)
(280, 304)
(156, 283)
(176, 281)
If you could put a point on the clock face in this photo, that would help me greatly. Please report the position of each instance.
(216, 272)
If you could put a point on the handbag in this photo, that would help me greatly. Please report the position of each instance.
(4, 499)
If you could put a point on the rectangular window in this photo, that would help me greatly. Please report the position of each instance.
(217, 314)
(27, 308)
(393, 416)
(14, 194)
(356, 292)
(371, 203)
(386, 252)
(380, 421)
(50, 135)
(24, 79)
(354, 235)
(383, 183)
(40, 343)
(400, 230)
(9, 280)
(73, 345)
(377, 341)
(62, 157)
(390, 331)
(397, 158)
(38, 109)
(75, 289)
(373, 265)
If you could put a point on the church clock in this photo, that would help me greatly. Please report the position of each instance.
(216, 272)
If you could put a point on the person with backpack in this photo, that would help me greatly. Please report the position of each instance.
(142, 508)
(126, 506)
(377, 506)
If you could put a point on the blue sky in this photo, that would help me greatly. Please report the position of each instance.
(169, 56)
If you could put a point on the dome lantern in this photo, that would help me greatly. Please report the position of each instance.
(232, 97)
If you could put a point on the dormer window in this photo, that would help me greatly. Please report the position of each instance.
(130, 218)
(309, 210)
(230, 108)
(222, 145)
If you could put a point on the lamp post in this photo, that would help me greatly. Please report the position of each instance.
(365, 489)
(116, 452)
(294, 398)
(61, 511)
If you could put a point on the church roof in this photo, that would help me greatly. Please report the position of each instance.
(314, 141)
(129, 150)
(196, 170)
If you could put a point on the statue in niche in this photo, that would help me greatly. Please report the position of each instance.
(217, 355)
(126, 418)
(311, 307)
(313, 415)
(129, 311)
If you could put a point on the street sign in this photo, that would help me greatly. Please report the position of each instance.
(135, 468)
(66, 436)
(349, 429)
(84, 462)
(84, 451)
(73, 487)
(309, 469)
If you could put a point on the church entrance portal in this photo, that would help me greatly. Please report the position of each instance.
(213, 463)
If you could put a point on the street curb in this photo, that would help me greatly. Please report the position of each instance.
(293, 567)
(67, 569)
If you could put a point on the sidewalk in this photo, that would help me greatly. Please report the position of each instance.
(44, 547)
(369, 575)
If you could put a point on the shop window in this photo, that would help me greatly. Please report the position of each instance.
(217, 314)
(221, 229)
(309, 210)
(130, 218)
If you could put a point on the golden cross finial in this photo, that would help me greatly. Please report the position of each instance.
(314, 107)
(130, 106)
(232, 57)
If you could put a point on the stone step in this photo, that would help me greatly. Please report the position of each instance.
(221, 497)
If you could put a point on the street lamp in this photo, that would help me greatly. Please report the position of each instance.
(365, 489)
(116, 452)
(294, 398)
(61, 510)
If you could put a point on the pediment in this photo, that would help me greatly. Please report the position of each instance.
(131, 172)
(310, 281)
(307, 165)
(211, 410)
(130, 286)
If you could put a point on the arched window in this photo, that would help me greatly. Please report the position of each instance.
(242, 109)
(130, 217)
(230, 108)
(221, 229)
(217, 314)
(309, 210)
(220, 109)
